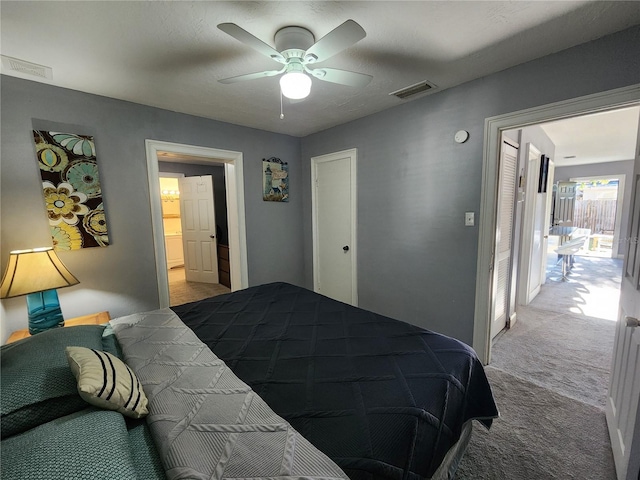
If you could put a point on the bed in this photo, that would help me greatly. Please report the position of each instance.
(382, 398)
(274, 381)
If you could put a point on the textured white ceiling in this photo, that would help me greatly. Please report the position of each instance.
(171, 54)
(600, 137)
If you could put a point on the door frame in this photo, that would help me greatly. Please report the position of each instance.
(352, 154)
(234, 185)
(493, 127)
(526, 241)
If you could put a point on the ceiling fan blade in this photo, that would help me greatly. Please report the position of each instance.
(252, 76)
(335, 41)
(245, 37)
(343, 77)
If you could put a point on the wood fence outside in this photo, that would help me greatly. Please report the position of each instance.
(597, 215)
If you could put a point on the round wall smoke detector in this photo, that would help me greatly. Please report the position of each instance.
(461, 136)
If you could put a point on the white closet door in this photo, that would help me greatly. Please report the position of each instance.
(334, 225)
(504, 236)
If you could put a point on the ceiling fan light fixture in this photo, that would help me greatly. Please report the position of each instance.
(295, 85)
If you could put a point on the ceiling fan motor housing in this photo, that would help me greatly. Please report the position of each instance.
(292, 42)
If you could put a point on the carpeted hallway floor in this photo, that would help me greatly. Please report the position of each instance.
(550, 375)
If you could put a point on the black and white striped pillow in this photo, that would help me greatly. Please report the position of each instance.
(107, 382)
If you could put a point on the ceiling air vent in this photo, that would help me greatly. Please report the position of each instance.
(415, 89)
(10, 64)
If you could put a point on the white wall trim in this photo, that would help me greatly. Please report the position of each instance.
(493, 127)
(531, 154)
(353, 156)
(234, 184)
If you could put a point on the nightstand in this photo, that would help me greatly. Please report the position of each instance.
(93, 319)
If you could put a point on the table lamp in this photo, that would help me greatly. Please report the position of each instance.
(37, 273)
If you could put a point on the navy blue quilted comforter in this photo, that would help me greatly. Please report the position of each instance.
(383, 398)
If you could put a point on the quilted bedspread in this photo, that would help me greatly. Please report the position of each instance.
(382, 398)
(206, 423)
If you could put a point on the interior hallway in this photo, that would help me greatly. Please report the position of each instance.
(564, 337)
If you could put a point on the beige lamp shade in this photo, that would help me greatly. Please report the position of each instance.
(35, 270)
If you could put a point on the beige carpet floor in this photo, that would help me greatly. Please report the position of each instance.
(550, 374)
(592, 289)
(181, 291)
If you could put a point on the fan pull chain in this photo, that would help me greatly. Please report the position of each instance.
(281, 112)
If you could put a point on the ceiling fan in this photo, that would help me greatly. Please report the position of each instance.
(296, 50)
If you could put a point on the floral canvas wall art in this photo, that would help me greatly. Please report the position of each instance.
(71, 189)
(275, 176)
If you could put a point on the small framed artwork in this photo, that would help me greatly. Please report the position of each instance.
(275, 180)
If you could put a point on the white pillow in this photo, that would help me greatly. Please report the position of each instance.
(107, 382)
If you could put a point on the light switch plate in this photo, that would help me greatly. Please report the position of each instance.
(469, 219)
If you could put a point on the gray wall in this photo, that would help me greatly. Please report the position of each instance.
(416, 259)
(607, 168)
(219, 190)
(121, 277)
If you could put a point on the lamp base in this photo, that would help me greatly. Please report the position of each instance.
(44, 311)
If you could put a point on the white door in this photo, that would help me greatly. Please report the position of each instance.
(529, 275)
(537, 213)
(623, 399)
(504, 235)
(333, 179)
(198, 229)
(565, 204)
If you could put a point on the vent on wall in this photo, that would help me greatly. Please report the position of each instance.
(10, 64)
(415, 89)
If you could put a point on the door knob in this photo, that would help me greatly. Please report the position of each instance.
(632, 322)
(345, 248)
(212, 236)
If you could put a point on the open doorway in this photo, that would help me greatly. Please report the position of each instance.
(187, 282)
(585, 201)
(171, 219)
(554, 115)
(563, 339)
(567, 226)
(232, 163)
(599, 210)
